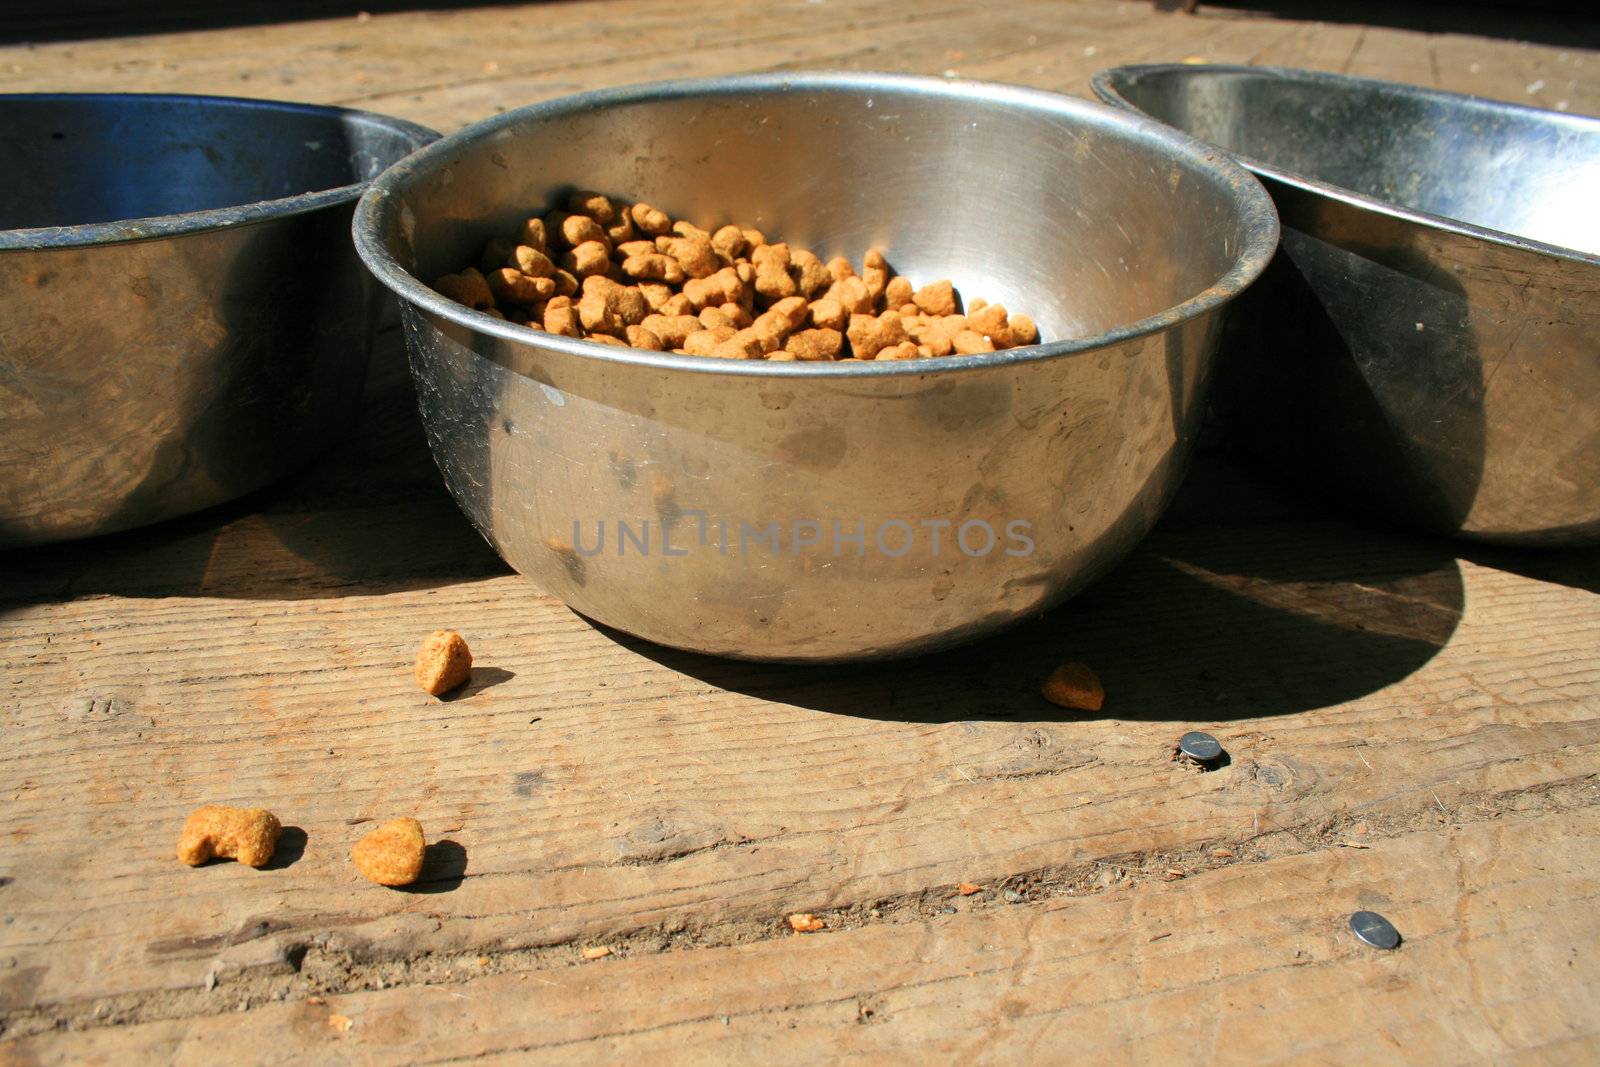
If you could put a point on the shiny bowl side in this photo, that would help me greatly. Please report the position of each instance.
(1427, 342)
(182, 318)
(787, 511)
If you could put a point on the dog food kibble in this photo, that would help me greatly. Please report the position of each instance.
(803, 922)
(392, 853)
(248, 835)
(1075, 686)
(443, 662)
(628, 275)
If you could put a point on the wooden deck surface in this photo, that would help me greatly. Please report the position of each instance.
(1413, 724)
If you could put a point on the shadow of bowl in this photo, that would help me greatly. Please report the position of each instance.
(1201, 624)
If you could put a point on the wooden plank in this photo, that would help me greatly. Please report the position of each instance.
(602, 786)
(1253, 964)
(844, 35)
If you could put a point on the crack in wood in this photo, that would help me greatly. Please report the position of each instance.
(318, 965)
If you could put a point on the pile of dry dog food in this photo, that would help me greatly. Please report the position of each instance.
(629, 275)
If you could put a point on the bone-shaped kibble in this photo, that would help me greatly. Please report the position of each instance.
(248, 835)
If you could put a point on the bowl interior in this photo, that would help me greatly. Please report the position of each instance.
(1064, 211)
(76, 160)
(1517, 170)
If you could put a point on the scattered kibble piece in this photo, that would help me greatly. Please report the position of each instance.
(803, 922)
(1075, 686)
(248, 835)
(602, 270)
(391, 854)
(341, 1023)
(596, 952)
(443, 662)
(966, 889)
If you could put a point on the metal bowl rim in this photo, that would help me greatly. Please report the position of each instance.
(1102, 83)
(117, 231)
(1257, 215)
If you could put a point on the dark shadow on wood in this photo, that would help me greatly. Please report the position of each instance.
(1203, 624)
(1576, 568)
(372, 516)
(292, 842)
(444, 868)
(1564, 23)
(1224, 760)
(482, 678)
(38, 20)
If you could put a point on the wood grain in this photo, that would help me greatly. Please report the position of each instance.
(1249, 965)
(659, 793)
(1438, 702)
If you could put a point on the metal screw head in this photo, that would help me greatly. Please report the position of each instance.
(1374, 930)
(1201, 747)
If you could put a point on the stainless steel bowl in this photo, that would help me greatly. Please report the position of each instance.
(799, 502)
(182, 318)
(1428, 340)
